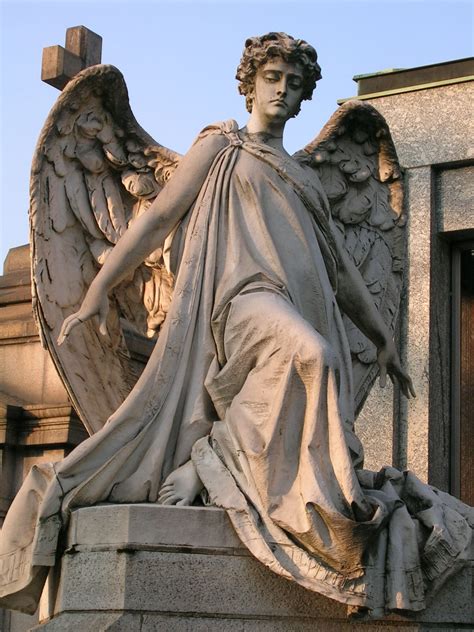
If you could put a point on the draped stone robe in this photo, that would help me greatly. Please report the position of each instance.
(251, 378)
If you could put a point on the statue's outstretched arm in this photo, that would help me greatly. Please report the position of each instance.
(356, 301)
(148, 232)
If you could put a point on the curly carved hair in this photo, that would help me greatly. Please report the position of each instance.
(259, 50)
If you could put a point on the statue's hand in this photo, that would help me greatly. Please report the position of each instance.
(95, 303)
(389, 363)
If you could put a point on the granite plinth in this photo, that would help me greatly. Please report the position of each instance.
(150, 567)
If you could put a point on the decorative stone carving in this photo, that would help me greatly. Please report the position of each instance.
(90, 180)
(274, 284)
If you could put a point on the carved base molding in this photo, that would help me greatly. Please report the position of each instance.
(148, 568)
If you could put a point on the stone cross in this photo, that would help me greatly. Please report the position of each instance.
(60, 65)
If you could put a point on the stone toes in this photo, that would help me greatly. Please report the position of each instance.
(163, 495)
(171, 500)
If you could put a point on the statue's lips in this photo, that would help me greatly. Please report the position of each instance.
(279, 102)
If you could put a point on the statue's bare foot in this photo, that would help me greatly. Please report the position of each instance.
(181, 487)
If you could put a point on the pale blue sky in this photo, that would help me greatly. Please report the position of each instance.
(179, 60)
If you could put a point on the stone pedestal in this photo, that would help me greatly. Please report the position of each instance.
(144, 568)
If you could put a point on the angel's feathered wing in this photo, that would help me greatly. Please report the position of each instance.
(356, 161)
(94, 171)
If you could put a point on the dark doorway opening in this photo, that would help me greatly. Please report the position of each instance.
(462, 458)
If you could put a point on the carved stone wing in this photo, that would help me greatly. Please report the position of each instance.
(356, 161)
(94, 171)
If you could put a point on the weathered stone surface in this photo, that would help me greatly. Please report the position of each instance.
(421, 122)
(377, 426)
(94, 622)
(142, 564)
(153, 526)
(71, 622)
(311, 430)
(28, 375)
(415, 327)
(455, 199)
(11, 621)
(303, 412)
(377, 439)
(153, 623)
(184, 582)
(85, 43)
(30, 435)
(59, 65)
(37, 422)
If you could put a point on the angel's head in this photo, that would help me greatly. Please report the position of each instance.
(259, 51)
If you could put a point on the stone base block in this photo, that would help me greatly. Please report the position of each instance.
(149, 568)
(134, 622)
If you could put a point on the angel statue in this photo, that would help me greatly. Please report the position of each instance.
(271, 285)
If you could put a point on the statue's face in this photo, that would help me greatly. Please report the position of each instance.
(278, 89)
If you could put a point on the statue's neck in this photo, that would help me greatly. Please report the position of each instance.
(268, 132)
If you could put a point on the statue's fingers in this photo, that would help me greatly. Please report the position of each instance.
(67, 326)
(103, 323)
(404, 388)
(103, 312)
(411, 388)
(405, 385)
(62, 334)
(383, 376)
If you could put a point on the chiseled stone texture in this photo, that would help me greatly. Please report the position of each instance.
(203, 584)
(136, 525)
(455, 199)
(98, 622)
(153, 623)
(431, 126)
(93, 622)
(155, 568)
(415, 327)
(374, 427)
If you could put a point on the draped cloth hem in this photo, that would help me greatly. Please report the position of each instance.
(373, 587)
